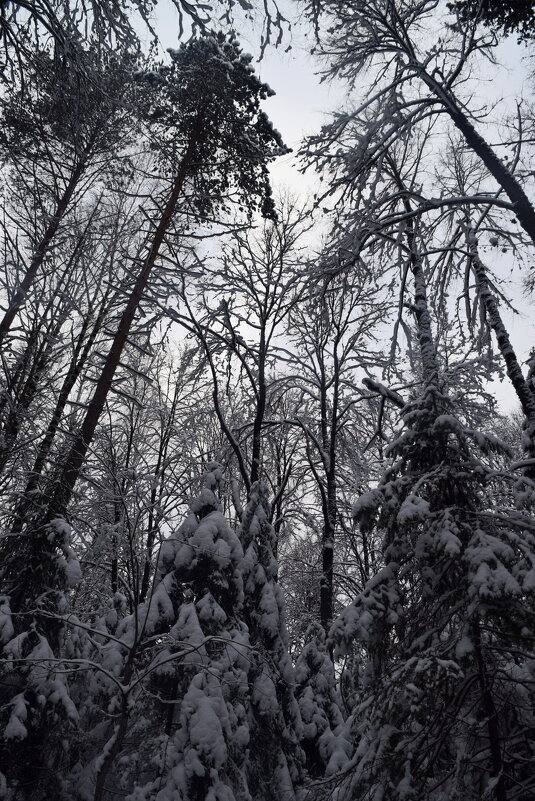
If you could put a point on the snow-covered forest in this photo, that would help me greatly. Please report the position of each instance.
(266, 533)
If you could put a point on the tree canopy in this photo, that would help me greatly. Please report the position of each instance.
(509, 17)
(266, 527)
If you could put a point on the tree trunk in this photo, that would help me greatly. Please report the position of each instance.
(21, 291)
(421, 308)
(514, 371)
(154, 518)
(331, 513)
(114, 745)
(260, 410)
(491, 716)
(75, 368)
(523, 207)
(327, 557)
(41, 359)
(75, 458)
(423, 320)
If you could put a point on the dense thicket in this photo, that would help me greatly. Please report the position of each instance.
(264, 532)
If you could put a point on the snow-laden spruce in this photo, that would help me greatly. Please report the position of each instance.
(324, 736)
(196, 687)
(198, 713)
(275, 760)
(173, 675)
(443, 634)
(37, 713)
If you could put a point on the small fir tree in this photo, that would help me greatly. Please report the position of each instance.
(324, 738)
(275, 760)
(191, 658)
